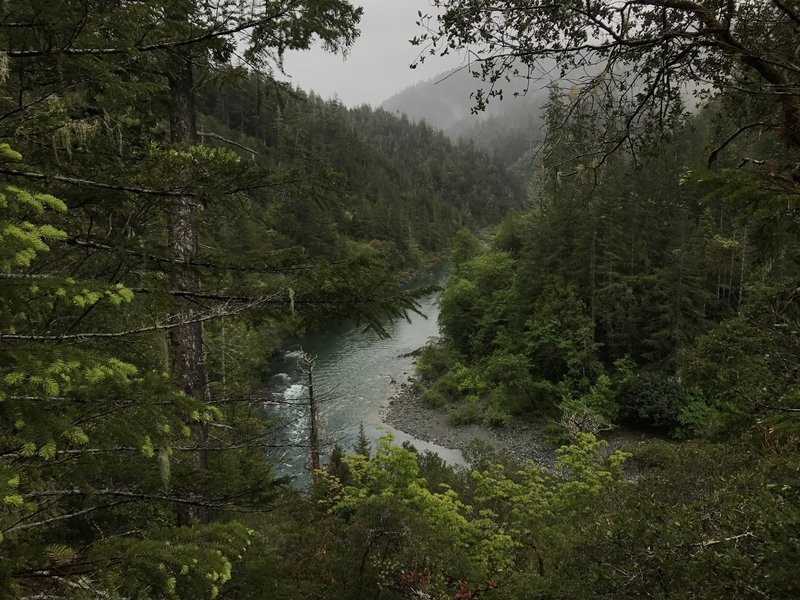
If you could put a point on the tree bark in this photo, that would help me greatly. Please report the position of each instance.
(187, 355)
(313, 437)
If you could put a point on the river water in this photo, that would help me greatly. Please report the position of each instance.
(354, 375)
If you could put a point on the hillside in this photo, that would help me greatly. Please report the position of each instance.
(397, 181)
(507, 129)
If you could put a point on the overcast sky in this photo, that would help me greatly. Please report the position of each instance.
(377, 65)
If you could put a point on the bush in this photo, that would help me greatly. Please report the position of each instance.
(501, 404)
(448, 386)
(556, 435)
(497, 416)
(653, 454)
(469, 412)
(652, 400)
(736, 366)
(434, 398)
(434, 361)
(579, 416)
(458, 382)
(693, 419)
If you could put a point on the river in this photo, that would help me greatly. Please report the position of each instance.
(355, 374)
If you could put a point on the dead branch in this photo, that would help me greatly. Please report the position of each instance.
(713, 156)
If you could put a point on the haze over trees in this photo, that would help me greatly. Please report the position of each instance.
(170, 213)
(638, 57)
(509, 130)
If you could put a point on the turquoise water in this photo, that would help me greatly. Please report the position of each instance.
(355, 373)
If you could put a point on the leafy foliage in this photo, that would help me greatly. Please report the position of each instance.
(653, 400)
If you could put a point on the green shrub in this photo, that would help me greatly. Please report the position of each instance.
(653, 454)
(693, 419)
(580, 416)
(556, 435)
(434, 398)
(449, 384)
(458, 382)
(652, 400)
(434, 361)
(497, 416)
(469, 412)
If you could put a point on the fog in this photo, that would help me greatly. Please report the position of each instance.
(377, 65)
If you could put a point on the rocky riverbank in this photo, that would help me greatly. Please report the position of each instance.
(406, 412)
(523, 441)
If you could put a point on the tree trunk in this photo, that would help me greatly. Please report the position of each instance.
(742, 271)
(187, 358)
(313, 436)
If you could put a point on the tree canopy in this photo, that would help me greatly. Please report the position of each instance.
(638, 63)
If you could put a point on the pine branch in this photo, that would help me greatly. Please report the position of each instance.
(97, 184)
(24, 276)
(192, 263)
(164, 45)
(230, 142)
(22, 526)
(132, 496)
(154, 192)
(259, 300)
(78, 452)
(216, 314)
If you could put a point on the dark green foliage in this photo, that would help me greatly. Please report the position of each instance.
(434, 361)
(472, 303)
(638, 288)
(403, 186)
(465, 247)
(697, 509)
(737, 366)
(558, 337)
(652, 400)
(646, 263)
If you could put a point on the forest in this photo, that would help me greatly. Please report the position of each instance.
(172, 212)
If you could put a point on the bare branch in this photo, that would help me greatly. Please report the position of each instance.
(733, 538)
(192, 263)
(713, 156)
(72, 515)
(230, 142)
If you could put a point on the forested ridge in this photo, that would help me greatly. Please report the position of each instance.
(400, 182)
(170, 213)
(509, 131)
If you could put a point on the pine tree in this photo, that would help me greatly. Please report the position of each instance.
(362, 446)
(95, 432)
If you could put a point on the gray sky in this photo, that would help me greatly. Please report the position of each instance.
(377, 65)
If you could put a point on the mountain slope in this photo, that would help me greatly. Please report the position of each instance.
(507, 129)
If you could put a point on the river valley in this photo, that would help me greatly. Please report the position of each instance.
(362, 379)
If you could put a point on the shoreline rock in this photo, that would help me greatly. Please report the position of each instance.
(405, 410)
